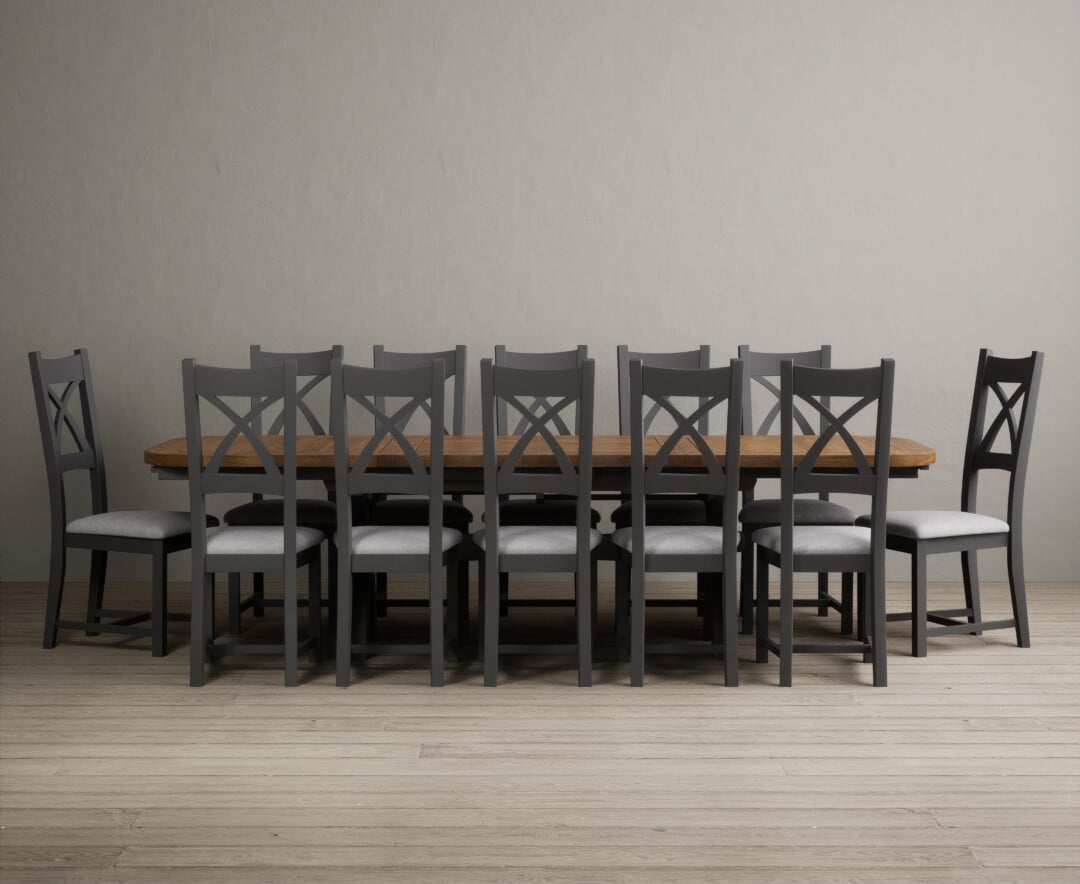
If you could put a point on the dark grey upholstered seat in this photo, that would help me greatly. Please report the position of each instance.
(414, 511)
(541, 396)
(549, 511)
(707, 550)
(241, 396)
(762, 373)
(70, 411)
(1002, 444)
(664, 511)
(823, 548)
(367, 550)
(310, 513)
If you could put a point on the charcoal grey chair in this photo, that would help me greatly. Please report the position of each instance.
(697, 548)
(147, 532)
(312, 369)
(763, 370)
(824, 548)
(541, 546)
(247, 548)
(922, 533)
(371, 549)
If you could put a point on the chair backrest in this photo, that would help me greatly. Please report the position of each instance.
(763, 369)
(993, 375)
(56, 414)
(260, 389)
(669, 471)
(422, 389)
(698, 358)
(311, 368)
(560, 361)
(559, 389)
(814, 389)
(455, 362)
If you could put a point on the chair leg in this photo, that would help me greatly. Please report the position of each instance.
(436, 618)
(315, 609)
(594, 601)
(1017, 590)
(746, 586)
(622, 612)
(258, 591)
(57, 568)
(637, 622)
(504, 595)
(969, 565)
(481, 608)
(715, 612)
(331, 584)
(291, 627)
(762, 655)
(585, 623)
(234, 603)
(382, 592)
(159, 603)
(860, 616)
(918, 601)
(492, 579)
(365, 615)
(787, 623)
(453, 613)
(847, 601)
(343, 644)
(731, 628)
(463, 603)
(200, 585)
(877, 610)
(98, 560)
(823, 595)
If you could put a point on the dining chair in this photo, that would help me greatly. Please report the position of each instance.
(312, 369)
(702, 549)
(247, 548)
(824, 548)
(762, 374)
(71, 440)
(922, 533)
(541, 546)
(372, 548)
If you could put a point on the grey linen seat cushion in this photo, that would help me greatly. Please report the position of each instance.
(675, 540)
(538, 540)
(414, 511)
(257, 540)
(310, 512)
(398, 540)
(934, 524)
(136, 524)
(808, 511)
(819, 540)
(664, 511)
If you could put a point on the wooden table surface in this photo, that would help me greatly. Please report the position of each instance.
(609, 452)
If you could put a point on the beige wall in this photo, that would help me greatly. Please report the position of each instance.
(183, 178)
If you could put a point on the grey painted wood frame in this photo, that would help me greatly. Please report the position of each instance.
(560, 389)
(55, 415)
(313, 369)
(991, 373)
(810, 387)
(456, 363)
(263, 388)
(763, 371)
(424, 390)
(713, 388)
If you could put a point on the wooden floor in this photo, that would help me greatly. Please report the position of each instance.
(966, 768)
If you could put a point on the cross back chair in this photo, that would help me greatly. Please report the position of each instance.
(66, 421)
(247, 548)
(313, 375)
(763, 376)
(703, 549)
(822, 548)
(540, 546)
(923, 533)
(372, 548)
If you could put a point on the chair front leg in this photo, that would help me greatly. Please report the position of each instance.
(879, 638)
(746, 586)
(159, 604)
(762, 607)
(436, 617)
(847, 602)
(918, 601)
(637, 621)
(622, 611)
(1017, 590)
(292, 639)
(584, 595)
(969, 565)
(234, 603)
(343, 645)
(99, 559)
(823, 594)
(491, 621)
(200, 585)
(787, 623)
(314, 570)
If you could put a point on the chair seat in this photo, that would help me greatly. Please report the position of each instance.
(399, 540)
(257, 540)
(663, 511)
(808, 511)
(675, 540)
(310, 513)
(934, 524)
(550, 511)
(819, 540)
(136, 524)
(414, 511)
(538, 540)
